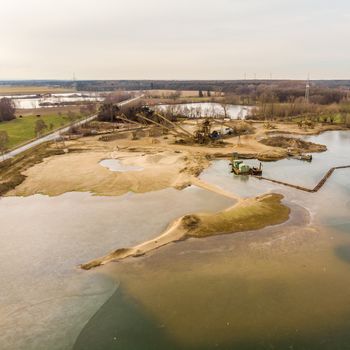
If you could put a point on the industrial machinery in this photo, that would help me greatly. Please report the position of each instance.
(240, 168)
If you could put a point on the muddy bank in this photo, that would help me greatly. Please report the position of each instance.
(11, 170)
(293, 145)
(246, 215)
(293, 129)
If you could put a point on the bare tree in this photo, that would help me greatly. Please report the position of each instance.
(91, 107)
(175, 95)
(199, 112)
(212, 113)
(117, 96)
(4, 139)
(71, 116)
(108, 112)
(7, 109)
(40, 126)
(347, 120)
(225, 108)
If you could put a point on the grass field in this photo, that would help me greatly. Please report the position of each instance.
(17, 90)
(21, 130)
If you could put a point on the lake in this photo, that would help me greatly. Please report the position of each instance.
(283, 287)
(207, 109)
(45, 299)
(53, 100)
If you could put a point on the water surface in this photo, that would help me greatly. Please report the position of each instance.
(45, 299)
(208, 109)
(283, 287)
(51, 100)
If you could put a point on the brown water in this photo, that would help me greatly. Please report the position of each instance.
(284, 287)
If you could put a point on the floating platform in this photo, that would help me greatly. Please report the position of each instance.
(240, 168)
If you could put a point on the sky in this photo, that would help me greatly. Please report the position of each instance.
(182, 39)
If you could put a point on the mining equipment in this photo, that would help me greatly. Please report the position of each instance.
(240, 168)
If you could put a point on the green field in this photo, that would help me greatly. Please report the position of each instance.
(21, 130)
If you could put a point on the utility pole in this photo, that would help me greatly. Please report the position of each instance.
(74, 82)
(307, 90)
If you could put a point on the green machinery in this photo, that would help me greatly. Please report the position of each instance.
(240, 168)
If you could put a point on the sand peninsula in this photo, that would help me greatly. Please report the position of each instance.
(246, 215)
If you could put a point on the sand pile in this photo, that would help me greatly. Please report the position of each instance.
(83, 172)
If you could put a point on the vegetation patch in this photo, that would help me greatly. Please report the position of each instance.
(250, 215)
(293, 143)
(21, 130)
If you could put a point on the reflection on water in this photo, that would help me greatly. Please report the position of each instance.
(285, 287)
(33, 101)
(208, 109)
(120, 324)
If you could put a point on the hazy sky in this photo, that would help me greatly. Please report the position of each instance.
(182, 39)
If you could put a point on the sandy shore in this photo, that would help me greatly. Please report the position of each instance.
(165, 163)
(83, 172)
(248, 214)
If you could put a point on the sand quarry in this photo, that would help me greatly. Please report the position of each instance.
(161, 163)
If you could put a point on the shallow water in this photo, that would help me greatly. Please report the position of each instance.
(284, 287)
(208, 109)
(45, 300)
(32, 101)
(118, 166)
(324, 205)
